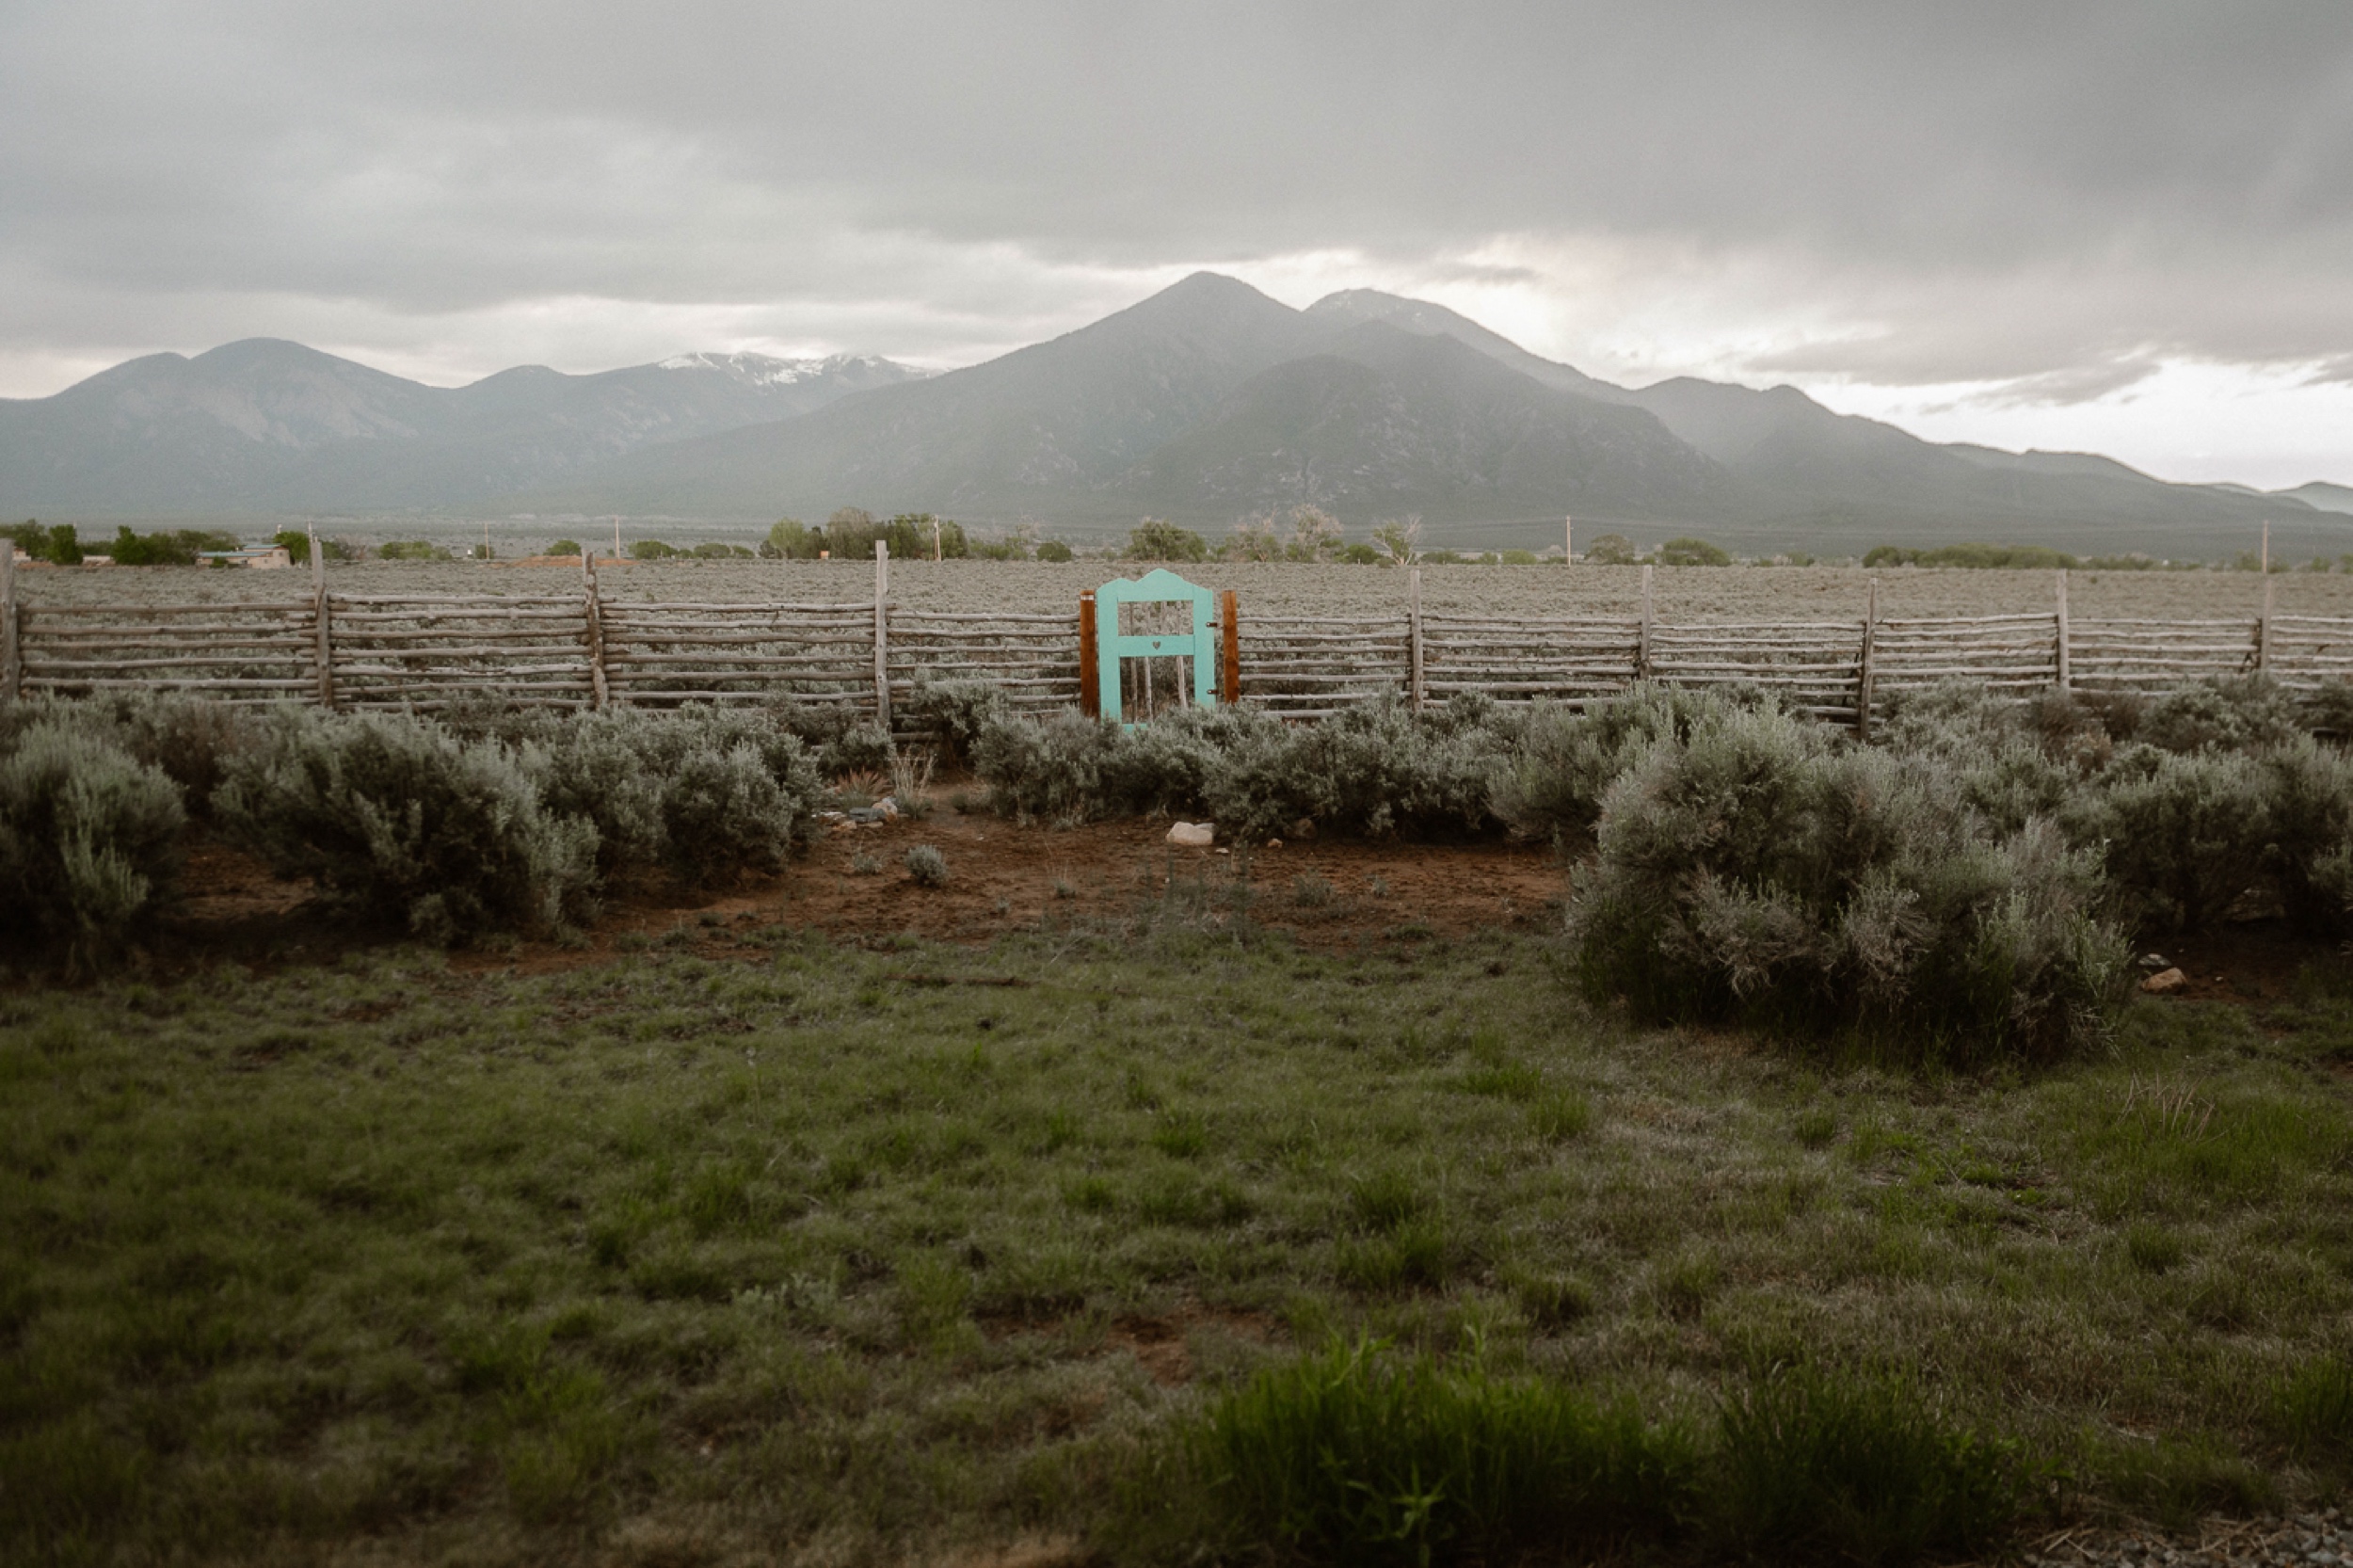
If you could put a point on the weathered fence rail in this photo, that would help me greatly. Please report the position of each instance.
(586, 649)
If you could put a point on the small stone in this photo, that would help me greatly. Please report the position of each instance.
(1275, 843)
(2154, 961)
(2165, 980)
(1198, 835)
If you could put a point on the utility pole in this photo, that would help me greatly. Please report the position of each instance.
(617, 537)
(1568, 539)
(936, 554)
(2266, 549)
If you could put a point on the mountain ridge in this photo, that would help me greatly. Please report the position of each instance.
(1208, 403)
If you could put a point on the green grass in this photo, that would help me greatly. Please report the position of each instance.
(768, 1253)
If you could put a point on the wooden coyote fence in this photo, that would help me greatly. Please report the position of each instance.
(585, 649)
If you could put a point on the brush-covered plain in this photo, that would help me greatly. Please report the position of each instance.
(754, 1246)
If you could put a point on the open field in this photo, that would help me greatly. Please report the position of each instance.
(1683, 593)
(755, 1244)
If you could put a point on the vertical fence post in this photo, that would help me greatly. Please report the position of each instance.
(1090, 673)
(11, 670)
(2066, 671)
(1641, 641)
(1229, 615)
(592, 612)
(882, 634)
(2263, 627)
(323, 648)
(1412, 636)
(1862, 682)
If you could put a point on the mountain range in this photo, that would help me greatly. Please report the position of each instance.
(265, 427)
(1207, 403)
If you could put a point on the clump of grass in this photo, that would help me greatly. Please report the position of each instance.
(1550, 1301)
(1310, 891)
(1816, 1126)
(1815, 1465)
(864, 864)
(1182, 1135)
(2153, 1249)
(2314, 1406)
(1384, 1200)
(1349, 1456)
(1560, 1115)
(927, 867)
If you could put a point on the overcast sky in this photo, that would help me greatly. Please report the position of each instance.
(2126, 227)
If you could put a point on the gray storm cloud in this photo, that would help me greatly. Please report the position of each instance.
(2047, 195)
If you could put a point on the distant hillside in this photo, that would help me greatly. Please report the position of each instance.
(269, 426)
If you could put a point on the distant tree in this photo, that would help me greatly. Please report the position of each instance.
(792, 540)
(1154, 539)
(1315, 535)
(1361, 554)
(1611, 550)
(651, 549)
(716, 552)
(178, 547)
(1398, 540)
(1053, 550)
(1689, 551)
(1441, 558)
(565, 547)
(1252, 539)
(295, 545)
(412, 550)
(1519, 557)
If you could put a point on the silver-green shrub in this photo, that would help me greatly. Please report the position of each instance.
(1758, 872)
(1551, 784)
(704, 793)
(401, 820)
(2183, 835)
(2311, 808)
(89, 839)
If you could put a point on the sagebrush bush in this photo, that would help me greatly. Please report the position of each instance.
(400, 819)
(2310, 804)
(2219, 716)
(1551, 784)
(956, 713)
(927, 867)
(2183, 835)
(703, 791)
(1758, 872)
(1374, 770)
(89, 839)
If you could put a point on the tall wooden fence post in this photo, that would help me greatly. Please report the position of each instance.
(1412, 635)
(1090, 670)
(882, 634)
(1641, 640)
(592, 614)
(1863, 676)
(12, 669)
(1229, 649)
(322, 648)
(2263, 627)
(2066, 671)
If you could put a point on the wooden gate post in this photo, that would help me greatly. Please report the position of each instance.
(1229, 649)
(11, 668)
(1090, 677)
(1862, 682)
(2263, 627)
(1412, 635)
(2066, 674)
(592, 612)
(1641, 641)
(882, 633)
(323, 653)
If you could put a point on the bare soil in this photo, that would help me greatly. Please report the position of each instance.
(1004, 876)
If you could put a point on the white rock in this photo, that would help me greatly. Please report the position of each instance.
(1199, 835)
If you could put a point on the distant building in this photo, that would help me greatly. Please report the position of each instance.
(261, 555)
